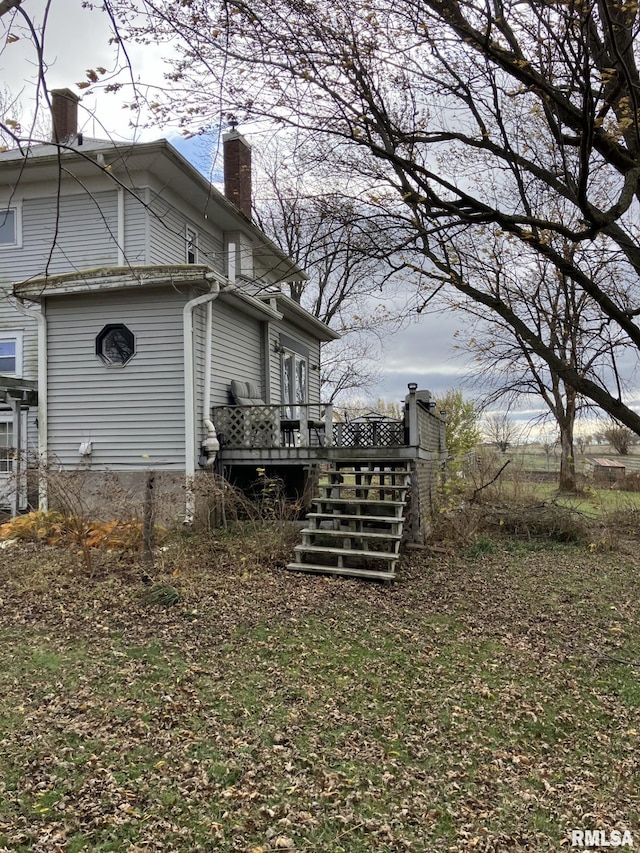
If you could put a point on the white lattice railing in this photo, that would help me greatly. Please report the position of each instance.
(269, 426)
(272, 426)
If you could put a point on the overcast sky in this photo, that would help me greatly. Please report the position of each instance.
(77, 39)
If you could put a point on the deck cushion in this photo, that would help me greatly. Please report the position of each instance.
(246, 393)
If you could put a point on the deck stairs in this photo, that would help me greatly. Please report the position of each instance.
(356, 527)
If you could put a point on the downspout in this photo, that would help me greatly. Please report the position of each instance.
(189, 390)
(208, 331)
(211, 443)
(121, 234)
(42, 399)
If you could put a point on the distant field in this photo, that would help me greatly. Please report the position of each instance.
(533, 457)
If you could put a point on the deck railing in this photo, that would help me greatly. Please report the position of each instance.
(274, 425)
(312, 425)
(370, 433)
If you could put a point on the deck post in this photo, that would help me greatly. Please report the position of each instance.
(443, 431)
(328, 425)
(15, 404)
(305, 438)
(414, 438)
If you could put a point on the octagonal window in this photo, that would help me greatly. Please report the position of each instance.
(115, 344)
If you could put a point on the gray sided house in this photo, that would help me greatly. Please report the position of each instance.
(135, 296)
(145, 327)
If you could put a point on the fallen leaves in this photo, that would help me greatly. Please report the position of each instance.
(460, 710)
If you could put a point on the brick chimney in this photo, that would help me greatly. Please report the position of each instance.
(237, 171)
(64, 115)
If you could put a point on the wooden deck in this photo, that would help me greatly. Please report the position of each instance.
(279, 435)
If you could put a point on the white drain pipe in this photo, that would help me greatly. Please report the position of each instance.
(210, 445)
(189, 387)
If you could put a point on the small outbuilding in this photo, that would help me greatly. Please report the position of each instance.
(607, 472)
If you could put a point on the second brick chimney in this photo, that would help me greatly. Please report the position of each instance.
(237, 171)
(64, 115)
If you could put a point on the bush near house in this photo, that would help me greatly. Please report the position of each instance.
(55, 528)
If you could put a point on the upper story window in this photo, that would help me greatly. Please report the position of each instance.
(11, 353)
(10, 227)
(115, 345)
(192, 246)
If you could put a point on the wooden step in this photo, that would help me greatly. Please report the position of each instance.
(348, 511)
(368, 487)
(337, 516)
(354, 471)
(357, 502)
(369, 574)
(384, 525)
(357, 466)
(346, 552)
(354, 534)
(394, 477)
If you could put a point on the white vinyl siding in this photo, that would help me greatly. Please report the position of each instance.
(168, 237)
(236, 351)
(80, 235)
(211, 251)
(134, 415)
(135, 229)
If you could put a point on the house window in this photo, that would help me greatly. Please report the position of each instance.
(10, 354)
(6, 446)
(115, 345)
(10, 233)
(192, 246)
(295, 360)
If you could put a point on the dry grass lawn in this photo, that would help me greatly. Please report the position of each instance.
(488, 701)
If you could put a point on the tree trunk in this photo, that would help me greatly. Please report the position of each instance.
(567, 459)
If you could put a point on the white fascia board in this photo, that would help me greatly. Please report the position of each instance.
(116, 278)
(251, 304)
(301, 317)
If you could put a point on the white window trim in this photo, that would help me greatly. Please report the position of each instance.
(293, 405)
(16, 206)
(17, 337)
(6, 417)
(191, 237)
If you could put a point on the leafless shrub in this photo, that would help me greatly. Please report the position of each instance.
(631, 482)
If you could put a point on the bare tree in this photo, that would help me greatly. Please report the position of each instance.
(583, 440)
(569, 322)
(352, 286)
(500, 429)
(621, 438)
(515, 121)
